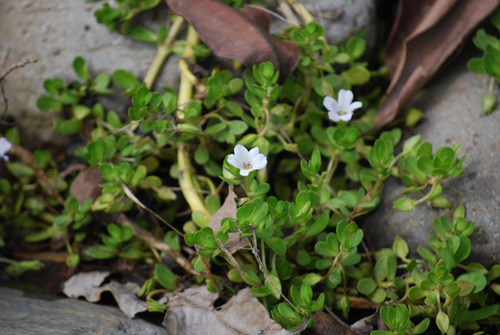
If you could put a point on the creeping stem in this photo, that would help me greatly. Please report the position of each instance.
(164, 50)
(186, 178)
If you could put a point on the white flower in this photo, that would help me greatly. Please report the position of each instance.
(247, 161)
(343, 109)
(5, 146)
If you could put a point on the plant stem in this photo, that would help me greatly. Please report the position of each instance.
(185, 170)
(163, 51)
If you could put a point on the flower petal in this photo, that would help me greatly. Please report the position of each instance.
(330, 104)
(333, 116)
(254, 152)
(245, 172)
(233, 160)
(345, 98)
(346, 117)
(355, 105)
(240, 151)
(259, 162)
(5, 146)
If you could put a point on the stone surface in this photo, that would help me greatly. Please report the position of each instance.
(452, 113)
(56, 32)
(24, 315)
(341, 19)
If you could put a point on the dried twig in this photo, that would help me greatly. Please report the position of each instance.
(5, 73)
(132, 197)
(156, 243)
(232, 260)
(11, 68)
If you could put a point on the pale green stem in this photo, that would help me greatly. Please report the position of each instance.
(187, 182)
(163, 51)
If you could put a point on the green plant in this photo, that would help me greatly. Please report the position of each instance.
(489, 62)
(291, 235)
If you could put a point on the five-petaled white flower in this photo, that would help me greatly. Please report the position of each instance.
(247, 161)
(5, 146)
(343, 108)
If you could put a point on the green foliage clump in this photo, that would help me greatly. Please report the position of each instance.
(299, 246)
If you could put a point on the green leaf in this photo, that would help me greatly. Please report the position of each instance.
(356, 75)
(355, 47)
(101, 252)
(422, 326)
(19, 170)
(80, 67)
(475, 315)
(165, 277)
(476, 65)
(416, 293)
(366, 286)
(275, 292)
(68, 126)
(400, 247)
(311, 279)
(318, 226)
(81, 112)
(404, 204)
(442, 321)
(48, 104)
(141, 33)
(488, 103)
(328, 248)
(492, 62)
(479, 280)
(237, 127)
(277, 245)
(139, 174)
(125, 80)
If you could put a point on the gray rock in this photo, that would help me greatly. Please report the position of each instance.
(342, 18)
(452, 113)
(56, 32)
(23, 315)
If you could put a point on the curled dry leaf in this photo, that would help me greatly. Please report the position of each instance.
(426, 33)
(192, 312)
(228, 210)
(240, 34)
(88, 285)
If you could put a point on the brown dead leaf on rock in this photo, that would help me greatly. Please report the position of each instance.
(88, 285)
(425, 34)
(192, 312)
(240, 34)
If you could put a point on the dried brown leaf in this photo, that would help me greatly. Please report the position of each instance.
(228, 210)
(324, 324)
(240, 34)
(86, 184)
(88, 285)
(426, 33)
(192, 312)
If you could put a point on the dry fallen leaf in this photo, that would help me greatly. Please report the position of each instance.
(324, 324)
(88, 285)
(426, 33)
(240, 34)
(86, 184)
(228, 210)
(192, 312)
